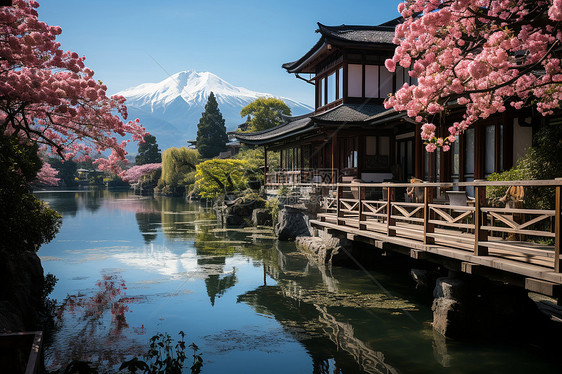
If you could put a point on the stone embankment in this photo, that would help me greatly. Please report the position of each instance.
(21, 294)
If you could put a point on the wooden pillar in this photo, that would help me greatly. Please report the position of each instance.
(264, 165)
(334, 150)
(428, 228)
(418, 153)
(362, 217)
(558, 228)
(339, 213)
(390, 222)
(480, 235)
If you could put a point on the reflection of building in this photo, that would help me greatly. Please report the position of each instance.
(304, 304)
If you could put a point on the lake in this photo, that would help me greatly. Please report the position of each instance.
(131, 267)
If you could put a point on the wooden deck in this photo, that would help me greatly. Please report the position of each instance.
(523, 243)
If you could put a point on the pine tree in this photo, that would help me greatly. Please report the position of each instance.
(211, 131)
(149, 153)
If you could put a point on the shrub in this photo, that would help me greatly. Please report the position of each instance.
(215, 177)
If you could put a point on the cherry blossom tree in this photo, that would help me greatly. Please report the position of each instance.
(47, 175)
(49, 97)
(136, 172)
(485, 55)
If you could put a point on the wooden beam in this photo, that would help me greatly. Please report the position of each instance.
(362, 217)
(543, 287)
(390, 222)
(339, 192)
(418, 254)
(471, 268)
(558, 228)
(264, 164)
(480, 234)
(428, 228)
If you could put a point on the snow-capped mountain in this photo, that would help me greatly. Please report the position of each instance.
(171, 109)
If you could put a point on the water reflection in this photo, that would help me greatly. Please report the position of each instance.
(235, 292)
(97, 324)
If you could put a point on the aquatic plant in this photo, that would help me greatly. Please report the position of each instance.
(164, 357)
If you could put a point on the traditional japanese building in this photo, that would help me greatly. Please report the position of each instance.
(350, 135)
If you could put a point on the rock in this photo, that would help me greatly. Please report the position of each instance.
(449, 318)
(262, 217)
(325, 249)
(449, 288)
(293, 222)
(238, 212)
(21, 294)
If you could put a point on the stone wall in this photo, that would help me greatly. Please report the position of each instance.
(21, 293)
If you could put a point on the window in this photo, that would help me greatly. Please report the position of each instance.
(400, 77)
(469, 159)
(331, 82)
(377, 152)
(386, 78)
(490, 150)
(371, 81)
(355, 80)
(321, 92)
(306, 156)
(340, 85)
(455, 162)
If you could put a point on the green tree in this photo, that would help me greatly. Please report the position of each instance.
(211, 131)
(541, 161)
(215, 177)
(265, 113)
(25, 221)
(178, 169)
(67, 170)
(149, 153)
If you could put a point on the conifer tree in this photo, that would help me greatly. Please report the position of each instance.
(149, 153)
(211, 131)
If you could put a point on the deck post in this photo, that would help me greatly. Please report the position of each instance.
(339, 213)
(428, 228)
(390, 222)
(558, 228)
(480, 235)
(361, 216)
(264, 165)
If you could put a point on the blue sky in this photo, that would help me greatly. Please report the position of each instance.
(242, 41)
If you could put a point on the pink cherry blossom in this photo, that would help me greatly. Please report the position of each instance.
(48, 175)
(431, 147)
(48, 96)
(486, 55)
(138, 171)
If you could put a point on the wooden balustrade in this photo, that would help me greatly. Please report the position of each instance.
(477, 228)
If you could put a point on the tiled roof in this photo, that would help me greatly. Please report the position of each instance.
(350, 113)
(342, 115)
(359, 34)
(296, 124)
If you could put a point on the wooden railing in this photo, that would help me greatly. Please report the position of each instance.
(533, 235)
(10, 343)
(299, 176)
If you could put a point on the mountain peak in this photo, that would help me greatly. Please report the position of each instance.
(180, 99)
